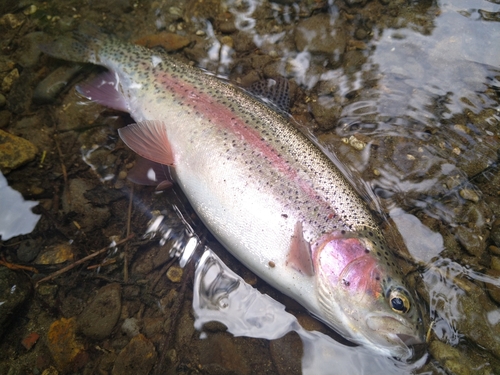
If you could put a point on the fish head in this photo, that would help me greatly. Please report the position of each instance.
(360, 287)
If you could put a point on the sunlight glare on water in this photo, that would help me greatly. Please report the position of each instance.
(16, 216)
(221, 295)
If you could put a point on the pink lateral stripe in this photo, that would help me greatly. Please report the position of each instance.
(223, 117)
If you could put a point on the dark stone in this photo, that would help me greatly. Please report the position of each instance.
(14, 290)
(98, 319)
(137, 358)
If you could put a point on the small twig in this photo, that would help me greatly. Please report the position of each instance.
(16, 267)
(80, 261)
(63, 169)
(174, 315)
(103, 264)
(129, 216)
(161, 274)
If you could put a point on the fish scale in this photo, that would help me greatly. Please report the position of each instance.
(265, 191)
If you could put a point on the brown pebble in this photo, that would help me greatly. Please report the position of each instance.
(174, 274)
(168, 41)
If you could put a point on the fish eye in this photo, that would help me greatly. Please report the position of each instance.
(399, 302)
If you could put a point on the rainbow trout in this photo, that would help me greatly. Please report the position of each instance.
(264, 190)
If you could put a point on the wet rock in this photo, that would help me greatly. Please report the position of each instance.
(225, 23)
(493, 290)
(174, 274)
(472, 239)
(56, 254)
(472, 323)
(321, 34)
(495, 232)
(51, 86)
(89, 216)
(287, 354)
(9, 80)
(131, 327)
(185, 327)
(15, 151)
(48, 293)
(478, 157)
(28, 250)
(220, 351)
(29, 50)
(243, 42)
(326, 112)
(29, 341)
(137, 358)
(15, 288)
(5, 117)
(196, 11)
(106, 363)
(214, 326)
(2, 101)
(98, 319)
(495, 263)
(71, 116)
(150, 259)
(469, 194)
(64, 345)
(165, 40)
(153, 327)
(451, 358)
(19, 98)
(12, 20)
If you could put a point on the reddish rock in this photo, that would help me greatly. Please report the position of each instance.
(30, 340)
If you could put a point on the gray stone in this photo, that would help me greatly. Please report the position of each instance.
(29, 50)
(14, 290)
(137, 358)
(51, 86)
(495, 232)
(98, 319)
(89, 216)
(28, 250)
(321, 34)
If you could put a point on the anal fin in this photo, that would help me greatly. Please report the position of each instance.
(147, 172)
(299, 255)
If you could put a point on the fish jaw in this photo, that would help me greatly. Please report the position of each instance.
(354, 283)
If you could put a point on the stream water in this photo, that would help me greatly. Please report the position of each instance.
(404, 96)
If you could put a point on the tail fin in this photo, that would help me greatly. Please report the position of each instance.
(82, 45)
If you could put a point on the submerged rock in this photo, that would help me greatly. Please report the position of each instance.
(15, 151)
(98, 319)
(90, 216)
(320, 35)
(14, 290)
(137, 358)
(51, 86)
(63, 344)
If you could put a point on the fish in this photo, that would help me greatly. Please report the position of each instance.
(266, 191)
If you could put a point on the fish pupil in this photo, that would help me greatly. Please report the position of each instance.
(398, 304)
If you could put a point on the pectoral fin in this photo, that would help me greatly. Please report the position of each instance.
(299, 255)
(149, 140)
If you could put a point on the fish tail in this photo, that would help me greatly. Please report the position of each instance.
(83, 45)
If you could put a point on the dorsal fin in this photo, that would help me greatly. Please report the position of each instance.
(273, 91)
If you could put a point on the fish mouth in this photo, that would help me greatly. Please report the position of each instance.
(403, 341)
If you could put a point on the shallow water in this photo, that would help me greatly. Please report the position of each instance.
(404, 96)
